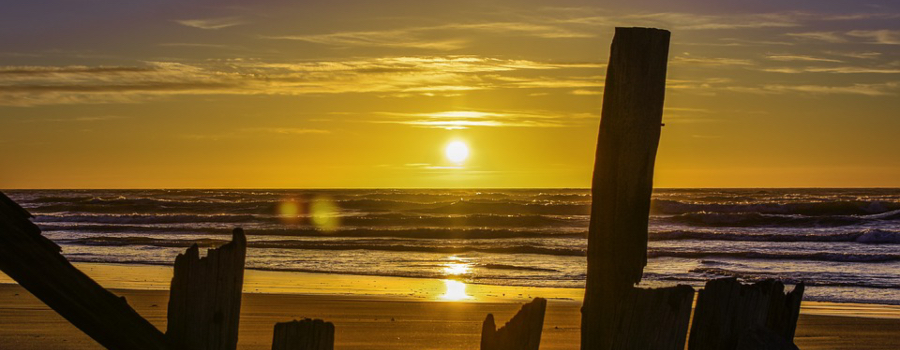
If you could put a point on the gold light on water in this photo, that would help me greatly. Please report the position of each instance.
(455, 290)
(321, 212)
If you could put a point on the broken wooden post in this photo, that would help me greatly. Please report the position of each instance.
(205, 296)
(36, 264)
(623, 176)
(653, 318)
(303, 335)
(728, 311)
(522, 332)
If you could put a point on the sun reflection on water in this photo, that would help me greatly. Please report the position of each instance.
(456, 290)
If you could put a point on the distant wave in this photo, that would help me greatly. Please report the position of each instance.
(777, 220)
(869, 236)
(382, 245)
(855, 207)
(811, 279)
(422, 233)
(332, 245)
(370, 219)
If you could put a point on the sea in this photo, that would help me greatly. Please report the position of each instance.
(844, 244)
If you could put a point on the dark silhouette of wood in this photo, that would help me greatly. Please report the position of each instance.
(522, 332)
(36, 264)
(205, 296)
(653, 318)
(761, 338)
(623, 176)
(303, 335)
(727, 310)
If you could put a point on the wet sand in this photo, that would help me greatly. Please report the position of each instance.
(373, 322)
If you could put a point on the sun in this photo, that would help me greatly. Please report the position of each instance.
(457, 151)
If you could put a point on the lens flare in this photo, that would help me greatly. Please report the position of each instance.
(325, 213)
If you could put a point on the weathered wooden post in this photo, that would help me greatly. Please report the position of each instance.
(205, 297)
(729, 313)
(303, 335)
(522, 332)
(36, 264)
(623, 177)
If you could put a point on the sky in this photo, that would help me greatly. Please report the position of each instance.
(348, 94)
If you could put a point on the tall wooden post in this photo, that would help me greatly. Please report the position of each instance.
(205, 297)
(623, 177)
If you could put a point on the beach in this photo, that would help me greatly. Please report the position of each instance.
(374, 312)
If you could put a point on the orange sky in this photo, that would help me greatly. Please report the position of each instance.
(368, 94)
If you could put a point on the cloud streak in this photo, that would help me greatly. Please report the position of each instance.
(211, 23)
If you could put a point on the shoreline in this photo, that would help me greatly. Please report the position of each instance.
(370, 322)
(137, 277)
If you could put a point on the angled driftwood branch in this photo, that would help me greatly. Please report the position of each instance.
(37, 265)
(303, 335)
(729, 313)
(522, 332)
(205, 297)
(623, 177)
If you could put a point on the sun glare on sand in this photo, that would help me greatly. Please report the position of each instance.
(457, 151)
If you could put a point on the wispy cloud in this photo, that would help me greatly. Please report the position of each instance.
(885, 89)
(442, 37)
(885, 37)
(395, 76)
(248, 132)
(451, 120)
(839, 70)
(804, 58)
(829, 37)
(211, 23)
(711, 61)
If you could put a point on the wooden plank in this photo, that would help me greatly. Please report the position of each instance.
(623, 176)
(205, 296)
(727, 310)
(522, 332)
(303, 335)
(36, 264)
(653, 319)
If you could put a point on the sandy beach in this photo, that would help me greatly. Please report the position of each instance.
(390, 313)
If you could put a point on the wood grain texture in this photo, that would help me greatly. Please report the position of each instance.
(307, 334)
(629, 134)
(522, 332)
(205, 296)
(653, 319)
(727, 310)
(37, 265)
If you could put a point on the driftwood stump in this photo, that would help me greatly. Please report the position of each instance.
(728, 310)
(522, 332)
(36, 264)
(655, 319)
(303, 335)
(623, 177)
(205, 297)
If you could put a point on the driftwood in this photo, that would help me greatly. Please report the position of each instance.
(36, 264)
(761, 338)
(205, 296)
(623, 177)
(303, 335)
(728, 310)
(653, 318)
(522, 332)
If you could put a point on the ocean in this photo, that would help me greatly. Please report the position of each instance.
(843, 243)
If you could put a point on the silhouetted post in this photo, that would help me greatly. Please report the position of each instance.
(205, 296)
(303, 335)
(522, 332)
(757, 316)
(36, 264)
(623, 176)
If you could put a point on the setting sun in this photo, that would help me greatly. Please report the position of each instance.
(457, 151)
